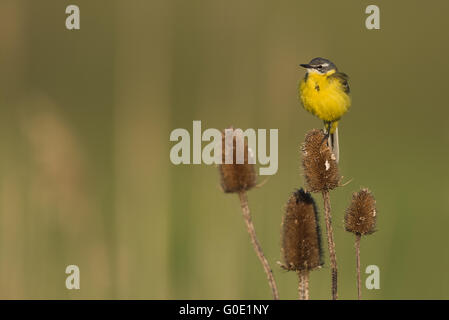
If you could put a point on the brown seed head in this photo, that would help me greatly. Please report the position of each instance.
(301, 239)
(360, 216)
(319, 163)
(236, 177)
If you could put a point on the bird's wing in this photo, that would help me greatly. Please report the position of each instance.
(342, 78)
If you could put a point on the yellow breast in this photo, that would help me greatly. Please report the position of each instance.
(324, 97)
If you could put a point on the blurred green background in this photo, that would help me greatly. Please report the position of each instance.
(85, 118)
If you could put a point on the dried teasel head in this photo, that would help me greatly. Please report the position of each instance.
(301, 238)
(360, 217)
(236, 177)
(319, 163)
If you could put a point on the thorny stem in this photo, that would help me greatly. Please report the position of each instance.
(331, 243)
(357, 253)
(303, 287)
(256, 245)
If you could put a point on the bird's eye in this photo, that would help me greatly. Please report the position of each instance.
(320, 66)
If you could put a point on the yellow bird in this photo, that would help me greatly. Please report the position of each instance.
(324, 92)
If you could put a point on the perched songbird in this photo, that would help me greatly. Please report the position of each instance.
(324, 92)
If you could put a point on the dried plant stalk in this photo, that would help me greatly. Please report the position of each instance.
(303, 286)
(239, 178)
(322, 175)
(331, 243)
(256, 245)
(357, 254)
(360, 219)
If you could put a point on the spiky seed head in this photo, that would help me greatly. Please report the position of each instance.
(319, 163)
(361, 214)
(236, 177)
(301, 238)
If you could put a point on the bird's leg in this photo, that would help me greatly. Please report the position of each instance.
(327, 127)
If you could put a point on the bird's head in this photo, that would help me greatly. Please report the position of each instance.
(319, 65)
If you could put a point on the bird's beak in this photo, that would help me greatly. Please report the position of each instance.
(305, 65)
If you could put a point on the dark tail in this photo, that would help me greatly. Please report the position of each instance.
(333, 143)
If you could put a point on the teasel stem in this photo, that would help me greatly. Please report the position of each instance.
(303, 287)
(360, 219)
(252, 233)
(330, 242)
(357, 253)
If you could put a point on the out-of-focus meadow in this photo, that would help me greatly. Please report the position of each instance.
(85, 118)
